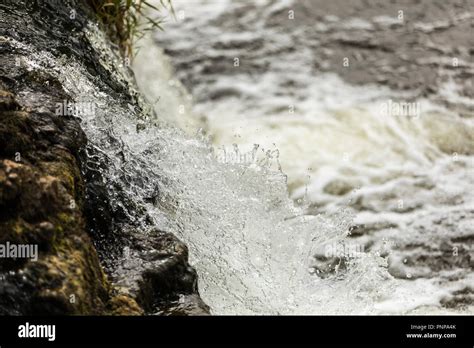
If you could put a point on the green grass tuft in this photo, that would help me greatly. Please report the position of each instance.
(126, 21)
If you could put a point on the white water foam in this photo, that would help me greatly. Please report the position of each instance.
(338, 149)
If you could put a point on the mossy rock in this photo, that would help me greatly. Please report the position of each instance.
(41, 198)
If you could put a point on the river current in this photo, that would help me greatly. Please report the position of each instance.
(377, 162)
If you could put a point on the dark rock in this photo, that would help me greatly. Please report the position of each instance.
(155, 271)
(35, 200)
(52, 193)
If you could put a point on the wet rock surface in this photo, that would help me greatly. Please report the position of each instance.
(51, 184)
(155, 271)
(41, 200)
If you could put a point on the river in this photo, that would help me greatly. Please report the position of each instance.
(360, 113)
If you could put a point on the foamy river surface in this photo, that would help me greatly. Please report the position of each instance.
(362, 112)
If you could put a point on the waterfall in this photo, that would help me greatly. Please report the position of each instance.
(256, 249)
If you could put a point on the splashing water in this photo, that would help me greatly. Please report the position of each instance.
(252, 246)
(404, 179)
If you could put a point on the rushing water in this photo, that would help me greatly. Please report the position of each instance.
(256, 249)
(401, 178)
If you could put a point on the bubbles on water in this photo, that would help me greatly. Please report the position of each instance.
(252, 246)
